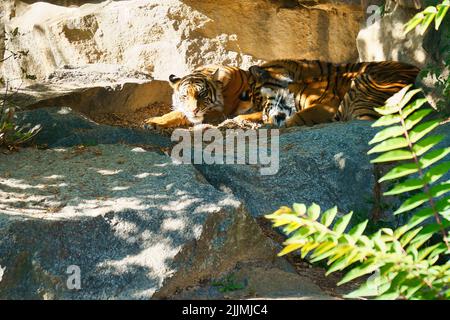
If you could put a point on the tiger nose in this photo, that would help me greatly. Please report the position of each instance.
(196, 108)
(280, 117)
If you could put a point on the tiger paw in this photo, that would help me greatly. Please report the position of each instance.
(154, 123)
(240, 120)
(294, 122)
(228, 124)
(238, 123)
(203, 127)
(172, 119)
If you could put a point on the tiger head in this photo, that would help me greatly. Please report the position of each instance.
(196, 95)
(278, 106)
(269, 93)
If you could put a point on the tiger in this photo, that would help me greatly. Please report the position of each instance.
(287, 93)
(210, 94)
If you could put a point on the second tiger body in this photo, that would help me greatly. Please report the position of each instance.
(305, 92)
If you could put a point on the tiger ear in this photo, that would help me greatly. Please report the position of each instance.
(259, 73)
(264, 75)
(215, 75)
(173, 79)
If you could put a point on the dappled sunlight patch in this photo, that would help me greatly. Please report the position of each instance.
(162, 165)
(20, 184)
(148, 174)
(138, 149)
(230, 201)
(15, 203)
(59, 150)
(420, 56)
(106, 172)
(120, 188)
(208, 208)
(64, 110)
(54, 177)
(95, 207)
(155, 196)
(181, 193)
(172, 224)
(180, 204)
(153, 258)
(340, 159)
(124, 229)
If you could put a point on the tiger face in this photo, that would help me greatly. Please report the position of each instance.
(269, 93)
(278, 106)
(196, 95)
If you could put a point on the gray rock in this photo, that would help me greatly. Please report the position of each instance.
(255, 282)
(63, 127)
(326, 164)
(137, 226)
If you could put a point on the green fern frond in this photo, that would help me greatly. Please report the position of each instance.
(400, 262)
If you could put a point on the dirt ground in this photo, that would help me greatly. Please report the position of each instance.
(134, 119)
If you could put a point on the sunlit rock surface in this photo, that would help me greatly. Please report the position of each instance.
(175, 36)
(135, 224)
(116, 56)
(383, 38)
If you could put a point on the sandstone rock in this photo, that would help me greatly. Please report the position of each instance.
(94, 89)
(136, 225)
(385, 40)
(175, 36)
(115, 56)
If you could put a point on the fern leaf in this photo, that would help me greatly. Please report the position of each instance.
(367, 267)
(388, 145)
(406, 186)
(328, 216)
(400, 171)
(314, 211)
(342, 223)
(395, 155)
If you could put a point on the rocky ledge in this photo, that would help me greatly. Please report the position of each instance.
(111, 202)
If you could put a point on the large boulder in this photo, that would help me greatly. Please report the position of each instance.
(138, 225)
(133, 224)
(95, 89)
(109, 203)
(326, 164)
(116, 56)
(64, 127)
